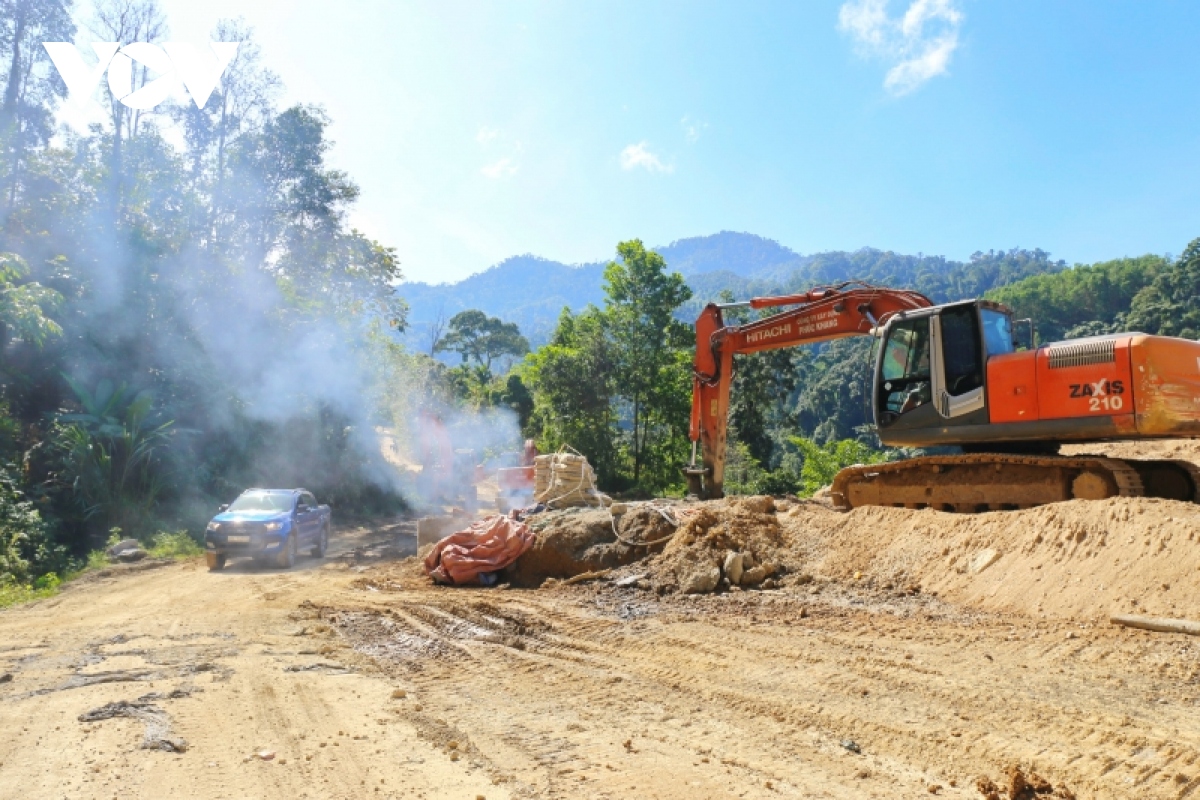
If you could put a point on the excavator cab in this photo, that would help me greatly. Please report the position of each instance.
(931, 366)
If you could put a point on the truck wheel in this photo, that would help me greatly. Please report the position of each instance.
(322, 544)
(215, 561)
(287, 556)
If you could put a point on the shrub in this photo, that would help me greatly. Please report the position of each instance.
(25, 544)
(179, 544)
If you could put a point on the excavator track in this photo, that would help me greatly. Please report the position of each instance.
(995, 482)
(1169, 479)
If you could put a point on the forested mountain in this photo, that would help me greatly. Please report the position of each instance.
(531, 291)
(1151, 294)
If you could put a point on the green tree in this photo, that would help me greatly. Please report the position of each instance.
(650, 347)
(822, 462)
(30, 86)
(23, 306)
(1171, 304)
(108, 455)
(1093, 295)
(572, 380)
(477, 337)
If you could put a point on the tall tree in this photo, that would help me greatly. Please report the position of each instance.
(126, 21)
(240, 105)
(1171, 304)
(31, 86)
(477, 337)
(650, 345)
(573, 379)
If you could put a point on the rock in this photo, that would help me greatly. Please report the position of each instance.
(851, 745)
(399, 694)
(982, 560)
(702, 581)
(6, 677)
(770, 583)
(124, 544)
(265, 755)
(129, 556)
(748, 561)
(733, 567)
(755, 576)
(759, 504)
(631, 580)
(987, 789)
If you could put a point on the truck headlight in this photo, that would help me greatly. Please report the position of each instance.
(271, 527)
(213, 527)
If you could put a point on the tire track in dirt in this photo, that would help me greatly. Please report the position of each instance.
(767, 696)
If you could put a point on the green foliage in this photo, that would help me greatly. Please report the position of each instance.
(651, 359)
(1150, 294)
(615, 382)
(24, 537)
(477, 337)
(743, 473)
(822, 462)
(23, 306)
(48, 582)
(1085, 300)
(96, 559)
(177, 544)
(572, 381)
(218, 275)
(1170, 306)
(12, 594)
(107, 454)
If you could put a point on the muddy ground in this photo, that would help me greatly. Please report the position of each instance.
(883, 666)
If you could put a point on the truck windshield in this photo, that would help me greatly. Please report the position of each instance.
(263, 501)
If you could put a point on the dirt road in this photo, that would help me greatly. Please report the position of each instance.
(820, 691)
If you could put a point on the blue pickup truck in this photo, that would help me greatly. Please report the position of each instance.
(268, 525)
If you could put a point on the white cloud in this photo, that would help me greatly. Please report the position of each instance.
(692, 129)
(918, 45)
(636, 155)
(486, 135)
(504, 168)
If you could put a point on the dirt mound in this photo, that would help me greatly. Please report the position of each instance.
(724, 543)
(1080, 559)
(572, 541)
(1186, 449)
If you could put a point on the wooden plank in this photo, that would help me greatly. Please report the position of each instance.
(1159, 624)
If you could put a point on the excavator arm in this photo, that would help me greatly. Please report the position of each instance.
(820, 315)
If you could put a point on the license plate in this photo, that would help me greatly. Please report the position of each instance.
(237, 539)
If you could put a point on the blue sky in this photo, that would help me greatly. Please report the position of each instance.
(483, 130)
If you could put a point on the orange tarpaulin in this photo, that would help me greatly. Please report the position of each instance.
(486, 546)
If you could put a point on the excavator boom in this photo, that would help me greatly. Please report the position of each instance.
(820, 315)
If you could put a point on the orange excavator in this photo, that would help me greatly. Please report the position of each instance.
(955, 374)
